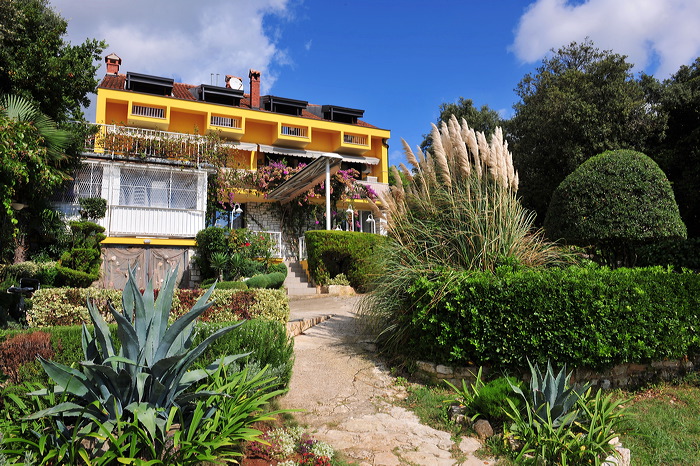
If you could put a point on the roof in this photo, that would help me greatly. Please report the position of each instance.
(181, 91)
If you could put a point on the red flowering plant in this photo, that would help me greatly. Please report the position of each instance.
(250, 244)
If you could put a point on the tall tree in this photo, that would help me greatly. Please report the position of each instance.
(679, 153)
(36, 62)
(581, 102)
(483, 119)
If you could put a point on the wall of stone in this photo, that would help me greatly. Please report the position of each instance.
(620, 376)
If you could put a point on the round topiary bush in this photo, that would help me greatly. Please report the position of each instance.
(614, 201)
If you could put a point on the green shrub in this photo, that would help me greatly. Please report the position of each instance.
(271, 305)
(209, 241)
(582, 316)
(615, 201)
(230, 286)
(276, 280)
(492, 400)
(92, 208)
(258, 281)
(266, 341)
(351, 253)
(280, 267)
(66, 306)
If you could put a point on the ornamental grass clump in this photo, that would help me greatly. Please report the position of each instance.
(457, 210)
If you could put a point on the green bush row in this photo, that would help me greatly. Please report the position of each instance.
(67, 306)
(351, 253)
(273, 280)
(583, 316)
(266, 341)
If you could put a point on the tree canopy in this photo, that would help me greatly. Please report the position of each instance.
(37, 64)
(581, 102)
(679, 152)
(614, 202)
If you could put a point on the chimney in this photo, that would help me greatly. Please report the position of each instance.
(254, 89)
(113, 63)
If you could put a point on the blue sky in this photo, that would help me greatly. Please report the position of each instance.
(397, 60)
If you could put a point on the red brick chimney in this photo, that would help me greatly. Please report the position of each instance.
(113, 63)
(254, 88)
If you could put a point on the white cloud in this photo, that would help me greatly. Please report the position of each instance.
(646, 31)
(187, 40)
(308, 44)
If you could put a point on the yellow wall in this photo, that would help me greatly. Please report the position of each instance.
(186, 122)
(117, 113)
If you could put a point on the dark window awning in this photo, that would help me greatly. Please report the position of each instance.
(307, 178)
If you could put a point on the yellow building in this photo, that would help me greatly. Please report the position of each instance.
(154, 151)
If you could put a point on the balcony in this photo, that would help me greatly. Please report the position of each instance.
(292, 136)
(352, 143)
(140, 143)
(230, 127)
(148, 116)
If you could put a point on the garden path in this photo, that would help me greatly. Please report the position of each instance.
(347, 395)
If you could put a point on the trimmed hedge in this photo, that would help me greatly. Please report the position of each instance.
(67, 306)
(266, 341)
(355, 254)
(585, 317)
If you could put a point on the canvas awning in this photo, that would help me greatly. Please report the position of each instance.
(307, 178)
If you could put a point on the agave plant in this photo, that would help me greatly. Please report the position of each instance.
(550, 395)
(144, 380)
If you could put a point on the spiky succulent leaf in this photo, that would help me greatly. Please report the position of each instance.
(102, 334)
(68, 379)
(176, 336)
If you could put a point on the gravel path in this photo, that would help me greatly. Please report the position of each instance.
(347, 395)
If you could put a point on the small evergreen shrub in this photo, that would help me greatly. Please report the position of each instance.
(92, 208)
(231, 286)
(351, 253)
(492, 400)
(258, 281)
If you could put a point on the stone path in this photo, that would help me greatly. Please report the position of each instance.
(347, 395)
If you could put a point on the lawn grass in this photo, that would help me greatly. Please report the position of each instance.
(663, 426)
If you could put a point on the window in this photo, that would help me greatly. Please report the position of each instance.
(86, 182)
(158, 188)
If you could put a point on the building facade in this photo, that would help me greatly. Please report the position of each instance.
(158, 142)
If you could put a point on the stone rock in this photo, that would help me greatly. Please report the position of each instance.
(444, 370)
(483, 429)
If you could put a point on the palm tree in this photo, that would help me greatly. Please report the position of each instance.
(35, 173)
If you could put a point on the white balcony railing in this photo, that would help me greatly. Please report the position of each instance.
(294, 131)
(226, 122)
(353, 139)
(152, 221)
(151, 112)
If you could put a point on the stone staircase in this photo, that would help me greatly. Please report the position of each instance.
(297, 283)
